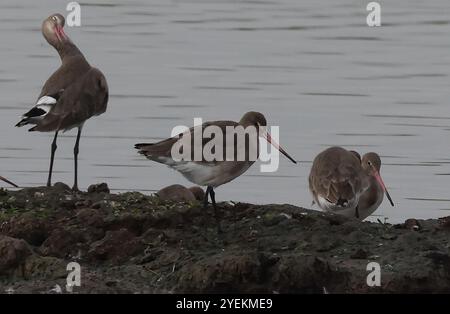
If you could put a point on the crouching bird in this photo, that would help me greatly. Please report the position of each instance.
(344, 183)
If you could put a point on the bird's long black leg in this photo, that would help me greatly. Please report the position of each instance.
(205, 200)
(76, 150)
(205, 207)
(216, 211)
(52, 159)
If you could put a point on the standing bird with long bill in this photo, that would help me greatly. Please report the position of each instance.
(75, 92)
(213, 173)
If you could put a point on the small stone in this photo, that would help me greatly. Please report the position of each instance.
(444, 223)
(412, 224)
(61, 186)
(176, 193)
(99, 188)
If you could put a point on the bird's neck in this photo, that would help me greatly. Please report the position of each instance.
(68, 49)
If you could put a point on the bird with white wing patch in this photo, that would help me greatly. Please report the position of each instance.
(75, 92)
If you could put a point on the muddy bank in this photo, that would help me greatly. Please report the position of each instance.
(133, 243)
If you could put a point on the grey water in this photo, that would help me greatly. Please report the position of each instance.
(314, 68)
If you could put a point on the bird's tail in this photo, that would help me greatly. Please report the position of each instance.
(142, 145)
(23, 122)
(35, 115)
(156, 150)
(40, 110)
(144, 148)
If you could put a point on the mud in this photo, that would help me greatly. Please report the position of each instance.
(135, 243)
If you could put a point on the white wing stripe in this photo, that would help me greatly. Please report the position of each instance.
(46, 100)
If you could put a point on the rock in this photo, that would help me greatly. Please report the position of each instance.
(61, 242)
(90, 217)
(99, 188)
(116, 246)
(412, 224)
(33, 230)
(13, 253)
(178, 193)
(61, 186)
(444, 223)
(198, 193)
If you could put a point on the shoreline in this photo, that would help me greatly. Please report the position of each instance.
(135, 243)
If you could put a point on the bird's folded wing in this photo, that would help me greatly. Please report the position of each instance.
(86, 97)
(185, 140)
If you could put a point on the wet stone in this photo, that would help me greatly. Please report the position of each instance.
(99, 188)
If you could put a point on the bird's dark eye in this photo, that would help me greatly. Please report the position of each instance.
(369, 163)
